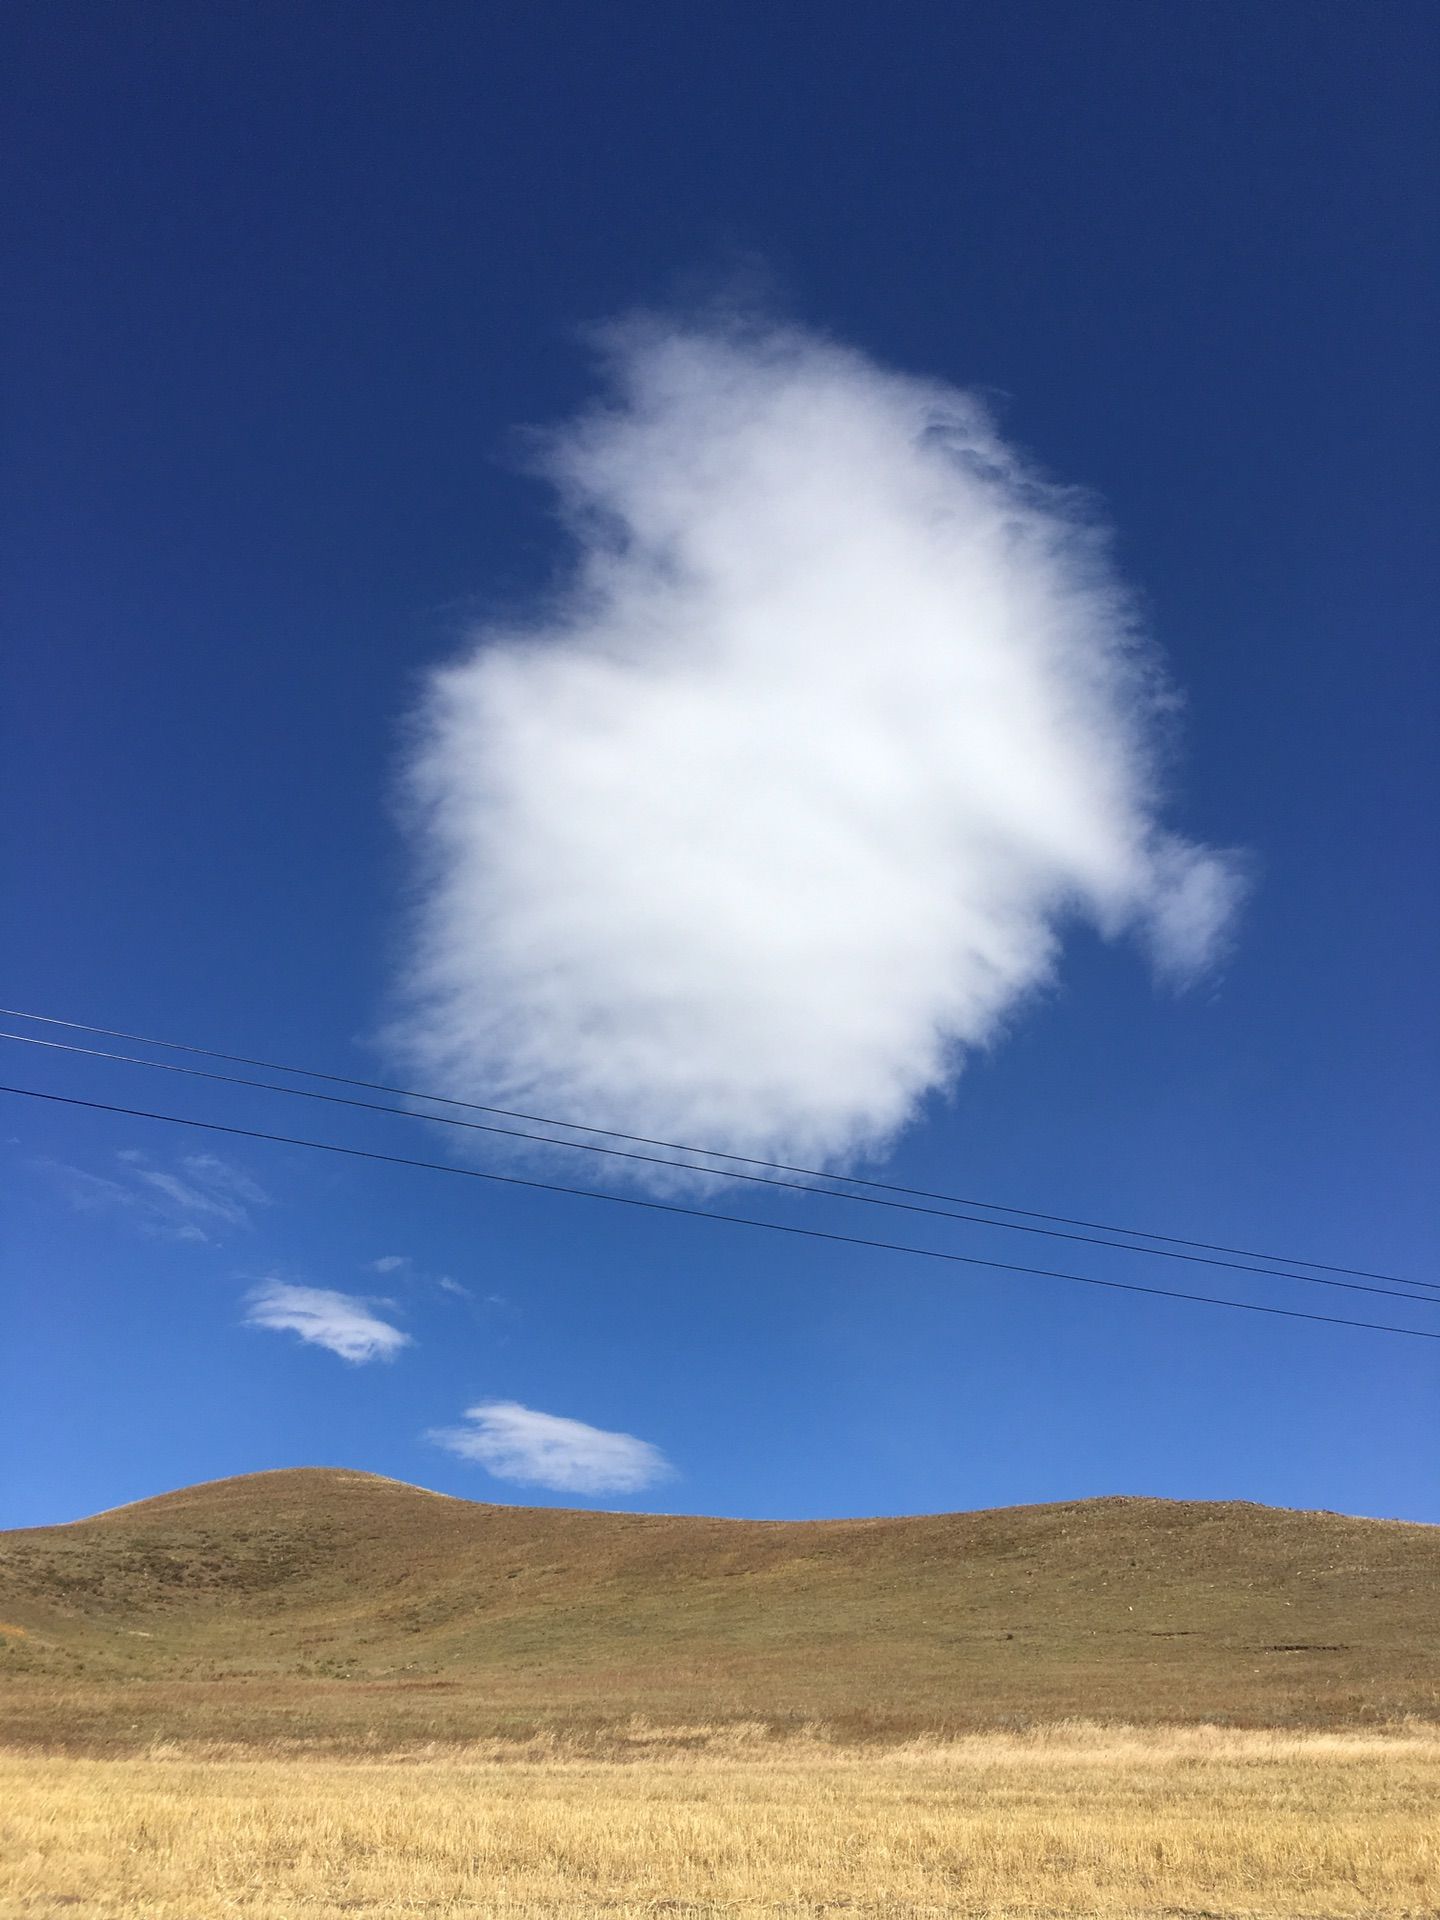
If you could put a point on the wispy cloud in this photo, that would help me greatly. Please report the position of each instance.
(193, 1199)
(223, 1177)
(342, 1322)
(403, 1266)
(514, 1442)
(188, 1196)
(783, 807)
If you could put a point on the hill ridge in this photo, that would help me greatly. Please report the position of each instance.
(362, 1476)
(300, 1594)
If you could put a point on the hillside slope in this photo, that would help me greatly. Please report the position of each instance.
(332, 1604)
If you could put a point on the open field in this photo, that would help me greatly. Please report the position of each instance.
(346, 1612)
(730, 1821)
(312, 1694)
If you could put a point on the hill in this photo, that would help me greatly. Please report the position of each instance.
(337, 1606)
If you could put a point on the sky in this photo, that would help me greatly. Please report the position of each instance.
(843, 587)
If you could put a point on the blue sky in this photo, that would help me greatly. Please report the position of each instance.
(292, 284)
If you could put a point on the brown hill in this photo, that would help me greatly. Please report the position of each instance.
(331, 1605)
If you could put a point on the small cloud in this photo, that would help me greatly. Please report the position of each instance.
(344, 1323)
(404, 1265)
(514, 1442)
(85, 1190)
(219, 1176)
(200, 1192)
(1195, 906)
(188, 1197)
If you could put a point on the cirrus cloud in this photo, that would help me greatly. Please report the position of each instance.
(784, 805)
(198, 1198)
(515, 1442)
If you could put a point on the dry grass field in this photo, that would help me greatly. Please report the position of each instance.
(302, 1695)
(1073, 1820)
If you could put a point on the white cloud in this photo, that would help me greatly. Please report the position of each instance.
(205, 1195)
(222, 1177)
(545, 1450)
(341, 1322)
(188, 1196)
(784, 805)
(403, 1265)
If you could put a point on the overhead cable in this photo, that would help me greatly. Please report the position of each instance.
(727, 1173)
(710, 1153)
(730, 1219)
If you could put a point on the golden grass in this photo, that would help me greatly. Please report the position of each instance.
(319, 1604)
(1075, 1819)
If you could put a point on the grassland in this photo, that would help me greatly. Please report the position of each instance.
(316, 1694)
(733, 1822)
(338, 1610)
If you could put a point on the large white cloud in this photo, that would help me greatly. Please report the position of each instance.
(514, 1442)
(783, 804)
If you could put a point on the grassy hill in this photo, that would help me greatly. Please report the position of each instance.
(338, 1607)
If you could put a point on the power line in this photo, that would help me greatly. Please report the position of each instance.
(760, 1179)
(712, 1153)
(731, 1219)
